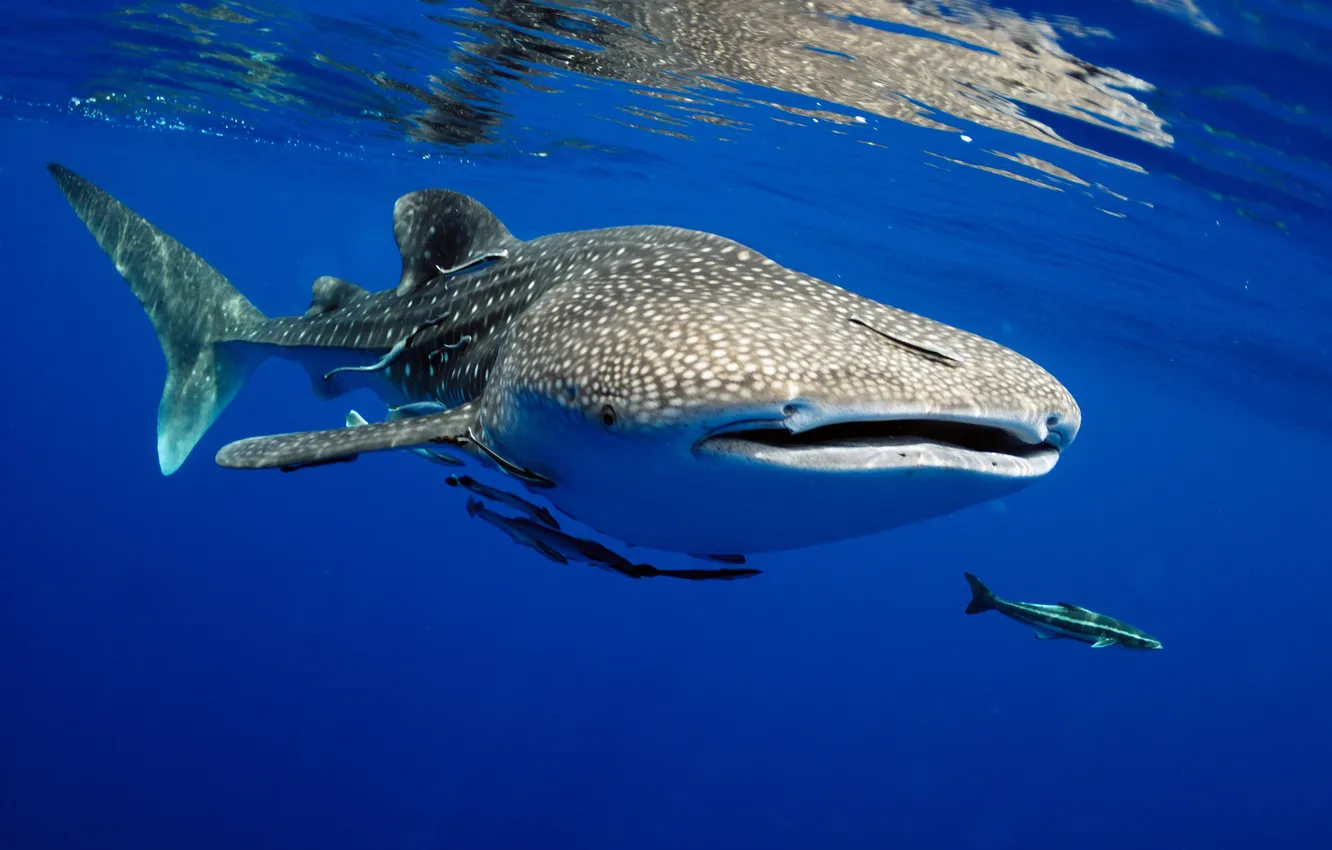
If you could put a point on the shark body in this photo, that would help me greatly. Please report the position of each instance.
(669, 388)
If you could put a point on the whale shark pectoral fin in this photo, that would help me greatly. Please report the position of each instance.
(1043, 635)
(306, 448)
(1103, 643)
(415, 408)
(354, 419)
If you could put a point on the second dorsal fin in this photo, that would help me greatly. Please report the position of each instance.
(437, 229)
(330, 293)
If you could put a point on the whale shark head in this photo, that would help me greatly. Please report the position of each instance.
(683, 372)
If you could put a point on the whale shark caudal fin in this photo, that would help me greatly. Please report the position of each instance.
(317, 448)
(982, 598)
(193, 308)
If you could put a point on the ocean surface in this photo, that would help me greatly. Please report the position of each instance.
(1136, 195)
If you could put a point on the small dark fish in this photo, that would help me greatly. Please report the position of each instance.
(1062, 620)
(724, 559)
(536, 512)
(563, 548)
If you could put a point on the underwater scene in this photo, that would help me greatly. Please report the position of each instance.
(654, 424)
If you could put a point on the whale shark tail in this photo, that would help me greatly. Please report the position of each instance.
(193, 308)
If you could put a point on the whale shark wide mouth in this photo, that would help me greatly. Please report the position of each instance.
(887, 444)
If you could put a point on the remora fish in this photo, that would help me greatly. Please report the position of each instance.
(669, 388)
(536, 512)
(485, 491)
(562, 548)
(1062, 620)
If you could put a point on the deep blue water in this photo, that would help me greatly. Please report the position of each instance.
(340, 658)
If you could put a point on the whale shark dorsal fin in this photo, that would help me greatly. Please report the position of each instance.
(438, 231)
(330, 293)
(311, 448)
(1070, 606)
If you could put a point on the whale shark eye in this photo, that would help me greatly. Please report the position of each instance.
(608, 416)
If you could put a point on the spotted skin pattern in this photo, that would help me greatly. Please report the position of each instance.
(604, 364)
(667, 324)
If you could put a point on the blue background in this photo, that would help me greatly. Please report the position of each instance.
(342, 659)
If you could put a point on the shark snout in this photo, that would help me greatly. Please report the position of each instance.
(1062, 421)
(1059, 433)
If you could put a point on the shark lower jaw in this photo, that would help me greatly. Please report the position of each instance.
(886, 445)
(753, 486)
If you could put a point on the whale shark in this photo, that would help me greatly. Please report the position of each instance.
(666, 387)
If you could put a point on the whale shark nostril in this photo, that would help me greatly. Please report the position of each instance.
(1059, 434)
